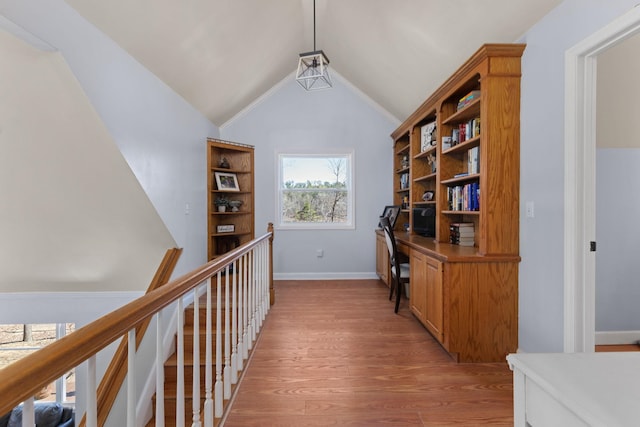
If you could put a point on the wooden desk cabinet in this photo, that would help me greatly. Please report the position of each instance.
(426, 292)
(382, 259)
(467, 301)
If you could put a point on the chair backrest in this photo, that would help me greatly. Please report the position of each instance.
(391, 241)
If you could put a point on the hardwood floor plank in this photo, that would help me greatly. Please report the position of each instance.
(334, 353)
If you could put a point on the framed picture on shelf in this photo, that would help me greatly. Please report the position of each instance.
(227, 181)
(390, 212)
(226, 228)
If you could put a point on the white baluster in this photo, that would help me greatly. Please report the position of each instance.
(208, 375)
(241, 345)
(180, 409)
(61, 383)
(259, 274)
(253, 296)
(245, 311)
(265, 279)
(226, 374)
(234, 326)
(267, 276)
(218, 386)
(195, 407)
(28, 413)
(131, 378)
(92, 411)
(159, 371)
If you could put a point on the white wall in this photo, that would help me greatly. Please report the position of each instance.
(73, 216)
(290, 119)
(159, 134)
(542, 167)
(111, 151)
(618, 237)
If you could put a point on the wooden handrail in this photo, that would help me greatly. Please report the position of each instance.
(25, 377)
(117, 371)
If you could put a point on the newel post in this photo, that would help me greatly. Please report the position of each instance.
(272, 293)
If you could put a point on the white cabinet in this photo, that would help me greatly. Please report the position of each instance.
(576, 389)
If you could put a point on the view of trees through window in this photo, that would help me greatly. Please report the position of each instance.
(315, 190)
(18, 341)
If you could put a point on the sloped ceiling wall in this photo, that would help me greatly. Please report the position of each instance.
(73, 217)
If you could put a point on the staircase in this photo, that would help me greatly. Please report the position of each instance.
(170, 368)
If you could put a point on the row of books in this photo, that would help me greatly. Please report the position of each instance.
(404, 181)
(465, 131)
(464, 197)
(468, 99)
(473, 160)
(461, 233)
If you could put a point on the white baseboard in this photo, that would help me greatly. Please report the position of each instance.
(617, 337)
(324, 276)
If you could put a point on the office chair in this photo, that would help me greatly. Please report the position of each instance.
(399, 271)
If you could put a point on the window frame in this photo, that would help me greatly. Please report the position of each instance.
(350, 188)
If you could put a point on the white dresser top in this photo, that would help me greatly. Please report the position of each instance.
(603, 388)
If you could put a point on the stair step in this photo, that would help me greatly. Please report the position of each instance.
(188, 354)
(170, 380)
(170, 366)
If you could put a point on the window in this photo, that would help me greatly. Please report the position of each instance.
(17, 341)
(315, 191)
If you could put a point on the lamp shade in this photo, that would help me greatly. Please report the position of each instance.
(313, 71)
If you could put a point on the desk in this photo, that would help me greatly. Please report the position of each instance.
(576, 389)
(467, 301)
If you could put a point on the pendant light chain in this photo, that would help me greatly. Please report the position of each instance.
(313, 66)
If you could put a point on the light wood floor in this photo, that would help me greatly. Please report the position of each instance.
(333, 353)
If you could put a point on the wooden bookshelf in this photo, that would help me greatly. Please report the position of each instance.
(233, 227)
(490, 276)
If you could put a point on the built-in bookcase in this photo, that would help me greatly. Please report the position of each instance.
(230, 176)
(463, 146)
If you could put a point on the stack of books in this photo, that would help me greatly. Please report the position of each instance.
(468, 99)
(461, 233)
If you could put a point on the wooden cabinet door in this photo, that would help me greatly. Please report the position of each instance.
(382, 259)
(434, 305)
(418, 285)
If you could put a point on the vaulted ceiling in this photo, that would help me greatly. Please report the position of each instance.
(221, 55)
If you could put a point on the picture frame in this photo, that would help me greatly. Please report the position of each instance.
(226, 228)
(391, 212)
(227, 181)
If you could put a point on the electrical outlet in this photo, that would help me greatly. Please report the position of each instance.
(319, 253)
(529, 208)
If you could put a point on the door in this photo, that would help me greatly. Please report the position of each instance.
(580, 174)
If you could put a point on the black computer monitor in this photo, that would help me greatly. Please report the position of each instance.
(424, 221)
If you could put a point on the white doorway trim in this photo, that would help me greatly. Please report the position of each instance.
(579, 179)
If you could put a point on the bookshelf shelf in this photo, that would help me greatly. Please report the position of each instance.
(470, 111)
(463, 146)
(461, 179)
(431, 176)
(461, 212)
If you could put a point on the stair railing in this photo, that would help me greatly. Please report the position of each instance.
(243, 277)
